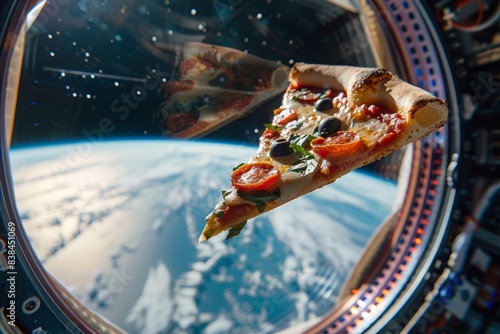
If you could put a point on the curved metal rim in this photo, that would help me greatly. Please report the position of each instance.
(425, 216)
(41, 281)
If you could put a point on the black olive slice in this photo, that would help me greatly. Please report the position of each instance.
(328, 126)
(323, 104)
(280, 148)
(219, 81)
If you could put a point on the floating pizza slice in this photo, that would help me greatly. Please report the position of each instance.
(333, 119)
(217, 85)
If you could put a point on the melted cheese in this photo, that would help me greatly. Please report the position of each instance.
(307, 120)
(292, 183)
(370, 131)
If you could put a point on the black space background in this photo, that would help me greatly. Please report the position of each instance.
(127, 39)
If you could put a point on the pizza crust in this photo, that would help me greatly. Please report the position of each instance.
(423, 112)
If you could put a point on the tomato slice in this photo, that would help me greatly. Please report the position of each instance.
(284, 116)
(341, 143)
(269, 134)
(256, 176)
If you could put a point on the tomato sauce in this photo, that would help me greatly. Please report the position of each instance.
(234, 213)
(310, 95)
(179, 86)
(188, 64)
(396, 126)
(242, 102)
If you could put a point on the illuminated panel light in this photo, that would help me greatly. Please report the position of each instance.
(426, 65)
(361, 303)
(429, 202)
(354, 310)
(438, 152)
(437, 161)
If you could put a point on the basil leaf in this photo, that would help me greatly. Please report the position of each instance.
(209, 233)
(304, 165)
(174, 108)
(299, 149)
(302, 140)
(298, 126)
(235, 168)
(273, 127)
(235, 230)
(260, 197)
(218, 211)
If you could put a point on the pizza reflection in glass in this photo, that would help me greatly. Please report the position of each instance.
(216, 85)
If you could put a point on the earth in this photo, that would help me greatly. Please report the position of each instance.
(117, 223)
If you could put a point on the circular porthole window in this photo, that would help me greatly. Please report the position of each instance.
(108, 197)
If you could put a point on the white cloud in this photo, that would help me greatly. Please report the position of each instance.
(221, 325)
(153, 310)
(185, 293)
(138, 190)
(301, 299)
(193, 278)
